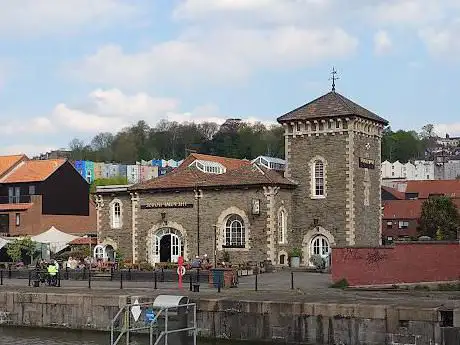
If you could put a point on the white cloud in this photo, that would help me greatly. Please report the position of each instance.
(36, 17)
(453, 129)
(382, 43)
(34, 125)
(28, 149)
(220, 56)
(442, 41)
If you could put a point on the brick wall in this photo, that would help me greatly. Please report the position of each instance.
(410, 262)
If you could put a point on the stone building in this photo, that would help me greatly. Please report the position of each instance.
(329, 194)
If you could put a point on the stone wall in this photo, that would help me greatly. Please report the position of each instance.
(367, 215)
(214, 207)
(319, 323)
(330, 211)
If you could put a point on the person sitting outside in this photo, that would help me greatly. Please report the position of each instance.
(196, 263)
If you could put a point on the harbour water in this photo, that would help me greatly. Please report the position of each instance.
(32, 336)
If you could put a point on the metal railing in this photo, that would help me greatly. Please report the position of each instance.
(161, 319)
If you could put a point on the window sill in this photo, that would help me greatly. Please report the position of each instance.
(317, 197)
(234, 247)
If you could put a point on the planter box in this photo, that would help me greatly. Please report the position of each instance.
(295, 261)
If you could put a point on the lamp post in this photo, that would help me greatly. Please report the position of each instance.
(215, 245)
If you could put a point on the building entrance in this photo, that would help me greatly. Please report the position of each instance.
(168, 245)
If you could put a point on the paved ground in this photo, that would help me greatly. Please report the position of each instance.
(308, 287)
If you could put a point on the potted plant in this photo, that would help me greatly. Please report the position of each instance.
(295, 256)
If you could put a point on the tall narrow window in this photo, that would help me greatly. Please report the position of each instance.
(319, 178)
(18, 219)
(116, 215)
(282, 226)
(31, 189)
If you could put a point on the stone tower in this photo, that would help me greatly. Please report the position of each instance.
(333, 153)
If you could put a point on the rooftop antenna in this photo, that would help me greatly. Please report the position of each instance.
(334, 78)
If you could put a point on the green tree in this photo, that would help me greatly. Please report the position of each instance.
(439, 219)
(20, 247)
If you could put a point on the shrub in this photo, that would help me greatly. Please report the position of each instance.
(295, 252)
(318, 261)
(145, 266)
(340, 284)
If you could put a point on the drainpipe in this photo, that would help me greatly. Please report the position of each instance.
(198, 196)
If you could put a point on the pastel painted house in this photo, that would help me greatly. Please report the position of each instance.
(133, 173)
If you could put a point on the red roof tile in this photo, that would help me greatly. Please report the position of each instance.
(8, 162)
(33, 171)
(405, 209)
(396, 193)
(15, 207)
(191, 177)
(228, 163)
(424, 189)
(84, 241)
(402, 209)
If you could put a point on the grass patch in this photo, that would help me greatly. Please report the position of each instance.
(340, 284)
(421, 287)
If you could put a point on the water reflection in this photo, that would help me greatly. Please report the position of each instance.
(32, 336)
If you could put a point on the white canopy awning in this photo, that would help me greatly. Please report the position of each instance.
(56, 239)
(3, 242)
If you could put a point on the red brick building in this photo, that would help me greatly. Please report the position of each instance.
(402, 207)
(35, 195)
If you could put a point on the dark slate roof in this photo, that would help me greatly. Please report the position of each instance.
(329, 105)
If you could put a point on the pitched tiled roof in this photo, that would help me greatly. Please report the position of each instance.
(228, 163)
(15, 207)
(84, 241)
(405, 209)
(450, 188)
(402, 209)
(33, 171)
(8, 162)
(190, 177)
(329, 105)
(396, 193)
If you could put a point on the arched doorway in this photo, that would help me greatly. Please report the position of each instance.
(320, 246)
(167, 246)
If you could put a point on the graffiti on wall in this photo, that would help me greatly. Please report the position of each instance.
(372, 256)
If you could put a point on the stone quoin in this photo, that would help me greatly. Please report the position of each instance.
(327, 194)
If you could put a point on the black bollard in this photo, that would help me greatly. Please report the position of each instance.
(129, 273)
(121, 279)
(89, 278)
(9, 271)
(292, 280)
(155, 278)
(66, 277)
(111, 273)
(162, 275)
(59, 279)
(30, 276)
(256, 283)
(198, 275)
(1, 277)
(190, 280)
(84, 273)
(218, 284)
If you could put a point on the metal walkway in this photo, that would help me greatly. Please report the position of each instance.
(169, 320)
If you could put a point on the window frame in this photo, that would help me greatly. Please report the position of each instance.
(318, 186)
(17, 219)
(116, 212)
(231, 237)
(282, 226)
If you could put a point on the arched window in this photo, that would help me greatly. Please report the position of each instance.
(282, 226)
(319, 178)
(116, 215)
(320, 246)
(99, 252)
(235, 233)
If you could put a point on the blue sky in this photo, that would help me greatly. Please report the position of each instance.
(73, 68)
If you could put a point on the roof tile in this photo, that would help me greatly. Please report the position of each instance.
(8, 162)
(33, 171)
(450, 188)
(329, 105)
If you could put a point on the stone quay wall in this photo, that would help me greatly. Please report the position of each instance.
(286, 322)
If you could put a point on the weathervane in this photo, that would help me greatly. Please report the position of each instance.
(333, 78)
